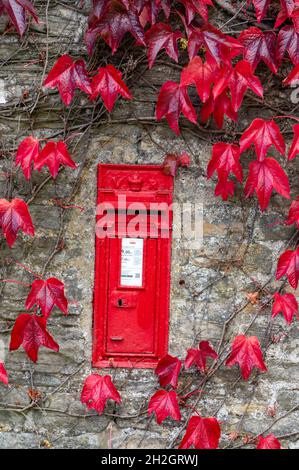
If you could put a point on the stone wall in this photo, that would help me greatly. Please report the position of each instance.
(209, 285)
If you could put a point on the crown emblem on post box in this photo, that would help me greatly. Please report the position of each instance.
(135, 182)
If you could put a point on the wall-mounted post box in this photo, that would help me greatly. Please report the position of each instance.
(132, 266)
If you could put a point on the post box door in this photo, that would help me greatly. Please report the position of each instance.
(132, 275)
(131, 296)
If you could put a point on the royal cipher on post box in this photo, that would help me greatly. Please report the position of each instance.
(132, 266)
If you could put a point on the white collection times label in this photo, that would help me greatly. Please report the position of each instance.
(131, 262)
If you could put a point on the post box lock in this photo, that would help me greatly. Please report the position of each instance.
(132, 271)
(121, 299)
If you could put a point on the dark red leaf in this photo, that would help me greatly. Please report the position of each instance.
(202, 74)
(164, 404)
(168, 370)
(219, 47)
(193, 7)
(261, 8)
(268, 442)
(201, 433)
(285, 304)
(293, 216)
(161, 36)
(288, 6)
(225, 160)
(199, 356)
(219, 107)
(114, 24)
(108, 84)
(294, 150)
(68, 75)
(293, 78)
(16, 10)
(173, 100)
(46, 294)
(288, 41)
(173, 161)
(184, 160)
(27, 153)
(263, 177)
(15, 216)
(97, 390)
(288, 264)
(3, 374)
(224, 188)
(237, 79)
(262, 134)
(53, 155)
(30, 332)
(246, 351)
(259, 46)
(151, 11)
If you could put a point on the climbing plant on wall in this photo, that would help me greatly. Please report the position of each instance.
(222, 68)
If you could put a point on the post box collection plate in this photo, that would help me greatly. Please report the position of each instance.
(132, 266)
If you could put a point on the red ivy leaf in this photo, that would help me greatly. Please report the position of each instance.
(219, 47)
(30, 332)
(268, 442)
(3, 374)
(201, 74)
(201, 433)
(97, 390)
(114, 24)
(199, 356)
(16, 10)
(184, 160)
(294, 150)
(151, 11)
(288, 41)
(288, 264)
(68, 75)
(108, 83)
(46, 294)
(164, 404)
(173, 100)
(288, 6)
(259, 46)
(262, 134)
(224, 188)
(225, 160)
(219, 107)
(26, 154)
(237, 79)
(261, 8)
(285, 304)
(293, 216)
(173, 161)
(171, 164)
(15, 216)
(293, 78)
(160, 37)
(246, 351)
(263, 177)
(168, 370)
(53, 155)
(193, 7)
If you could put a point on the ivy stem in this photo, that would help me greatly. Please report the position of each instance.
(13, 281)
(294, 118)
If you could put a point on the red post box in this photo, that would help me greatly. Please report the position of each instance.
(132, 266)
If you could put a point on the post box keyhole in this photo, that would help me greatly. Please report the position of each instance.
(120, 302)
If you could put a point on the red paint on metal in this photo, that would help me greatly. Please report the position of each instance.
(131, 322)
